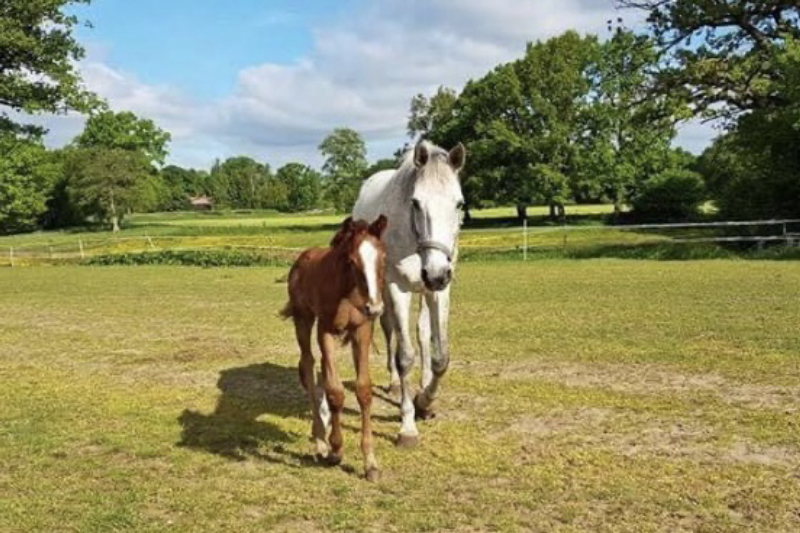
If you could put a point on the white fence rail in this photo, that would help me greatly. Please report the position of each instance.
(524, 239)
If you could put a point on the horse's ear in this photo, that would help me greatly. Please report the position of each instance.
(378, 227)
(421, 154)
(457, 157)
(344, 232)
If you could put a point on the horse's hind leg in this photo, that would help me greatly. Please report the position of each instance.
(361, 341)
(334, 390)
(391, 363)
(303, 327)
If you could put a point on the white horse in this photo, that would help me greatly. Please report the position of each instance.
(422, 201)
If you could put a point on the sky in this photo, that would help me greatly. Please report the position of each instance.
(271, 78)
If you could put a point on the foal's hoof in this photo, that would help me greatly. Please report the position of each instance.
(423, 413)
(328, 460)
(373, 475)
(407, 441)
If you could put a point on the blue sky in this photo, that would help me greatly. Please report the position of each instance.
(270, 78)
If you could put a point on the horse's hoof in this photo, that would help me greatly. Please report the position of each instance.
(373, 475)
(423, 413)
(407, 441)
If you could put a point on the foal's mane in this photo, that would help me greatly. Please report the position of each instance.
(348, 231)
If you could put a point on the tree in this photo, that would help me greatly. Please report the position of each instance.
(181, 183)
(629, 130)
(27, 175)
(38, 57)
(521, 123)
(721, 55)
(429, 114)
(243, 183)
(344, 168)
(125, 131)
(304, 186)
(107, 183)
(673, 195)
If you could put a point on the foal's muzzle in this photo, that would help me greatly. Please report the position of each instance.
(373, 310)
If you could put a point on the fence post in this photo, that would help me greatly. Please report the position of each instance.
(525, 239)
(50, 247)
(80, 246)
(11, 255)
(150, 241)
(564, 232)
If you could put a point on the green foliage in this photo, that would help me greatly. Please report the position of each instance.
(673, 195)
(243, 183)
(38, 57)
(109, 183)
(125, 131)
(721, 55)
(428, 115)
(27, 175)
(344, 168)
(181, 183)
(304, 186)
(202, 258)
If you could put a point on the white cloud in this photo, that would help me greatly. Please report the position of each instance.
(361, 73)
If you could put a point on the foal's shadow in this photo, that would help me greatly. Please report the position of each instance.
(234, 431)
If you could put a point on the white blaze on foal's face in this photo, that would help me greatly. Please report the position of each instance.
(369, 255)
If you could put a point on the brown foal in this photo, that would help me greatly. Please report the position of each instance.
(340, 288)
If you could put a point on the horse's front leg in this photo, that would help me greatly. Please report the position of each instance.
(424, 341)
(362, 338)
(401, 309)
(439, 306)
(334, 390)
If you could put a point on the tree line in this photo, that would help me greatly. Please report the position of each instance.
(575, 119)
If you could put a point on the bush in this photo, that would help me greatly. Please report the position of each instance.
(673, 195)
(204, 258)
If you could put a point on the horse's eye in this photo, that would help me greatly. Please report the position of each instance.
(415, 203)
(460, 205)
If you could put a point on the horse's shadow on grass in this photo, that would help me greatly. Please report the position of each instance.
(233, 430)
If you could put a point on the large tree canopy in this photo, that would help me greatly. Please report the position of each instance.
(38, 54)
(721, 54)
(125, 131)
(345, 166)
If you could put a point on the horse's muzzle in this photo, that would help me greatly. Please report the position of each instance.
(437, 283)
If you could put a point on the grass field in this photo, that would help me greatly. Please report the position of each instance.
(596, 396)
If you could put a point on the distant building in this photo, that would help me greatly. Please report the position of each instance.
(201, 203)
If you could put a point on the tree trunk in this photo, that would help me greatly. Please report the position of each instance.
(553, 214)
(114, 217)
(467, 215)
(522, 212)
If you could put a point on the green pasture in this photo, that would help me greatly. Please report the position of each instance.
(598, 396)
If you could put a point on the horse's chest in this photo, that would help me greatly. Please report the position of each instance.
(347, 315)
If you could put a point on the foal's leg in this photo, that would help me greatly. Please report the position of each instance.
(361, 342)
(334, 391)
(424, 341)
(439, 303)
(401, 307)
(302, 328)
(387, 325)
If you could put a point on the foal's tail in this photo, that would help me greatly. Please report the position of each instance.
(287, 311)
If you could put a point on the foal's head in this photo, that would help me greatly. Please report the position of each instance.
(363, 250)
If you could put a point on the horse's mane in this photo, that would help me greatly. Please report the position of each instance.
(347, 231)
(408, 174)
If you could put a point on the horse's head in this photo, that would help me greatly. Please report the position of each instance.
(362, 246)
(435, 205)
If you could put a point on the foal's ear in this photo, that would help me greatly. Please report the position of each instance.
(344, 231)
(457, 157)
(377, 228)
(421, 154)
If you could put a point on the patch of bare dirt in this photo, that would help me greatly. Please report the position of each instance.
(640, 435)
(649, 379)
